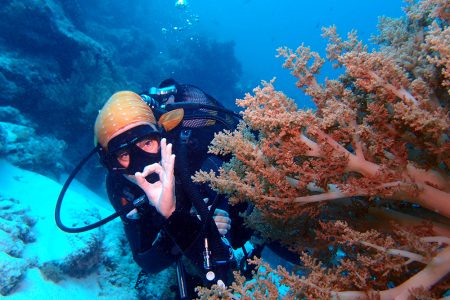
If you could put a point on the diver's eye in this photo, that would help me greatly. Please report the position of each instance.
(122, 155)
(123, 158)
(148, 144)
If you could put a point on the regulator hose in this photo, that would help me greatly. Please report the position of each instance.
(220, 251)
(72, 175)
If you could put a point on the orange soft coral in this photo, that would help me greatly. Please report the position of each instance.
(365, 133)
(379, 132)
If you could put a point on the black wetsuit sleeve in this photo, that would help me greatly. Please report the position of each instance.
(155, 242)
(149, 253)
(183, 229)
(153, 258)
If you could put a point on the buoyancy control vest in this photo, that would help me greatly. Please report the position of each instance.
(204, 116)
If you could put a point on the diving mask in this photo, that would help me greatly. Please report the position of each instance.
(133, 150)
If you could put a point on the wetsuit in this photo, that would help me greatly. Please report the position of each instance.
(156, 242)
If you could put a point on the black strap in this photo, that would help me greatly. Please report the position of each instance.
(209, 228)
(244, 264)
(181, 278)
(126, 209)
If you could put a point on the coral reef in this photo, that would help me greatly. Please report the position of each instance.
(83, 259)
(35, 255)
(15, 233)
(13, 269)
(376, 148)
(20, 144)
(52, 72)
(60, 60)
(79, 254)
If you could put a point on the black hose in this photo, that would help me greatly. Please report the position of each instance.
(218, 248)
(181, 278)
(72, 175)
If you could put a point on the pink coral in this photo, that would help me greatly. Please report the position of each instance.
(363, 133)
(380, 132)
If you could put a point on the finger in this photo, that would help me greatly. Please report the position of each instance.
(169, 150)
(140, 177)
(223, 226)
(140, 181)
(163, 149)
(170, 165)
(220, 212)
(224, 220)
(166, 156)
(223, 231)
(153, 168)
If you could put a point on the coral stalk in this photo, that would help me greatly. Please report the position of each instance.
(379, 138)
(437, 269)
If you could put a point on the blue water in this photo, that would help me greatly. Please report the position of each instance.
(61, 60)
(258, 28)
(58, 78)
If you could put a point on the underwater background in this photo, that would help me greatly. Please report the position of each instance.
(61, 60)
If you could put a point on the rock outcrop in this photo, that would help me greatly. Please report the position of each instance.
(22, 146)
(15, 233)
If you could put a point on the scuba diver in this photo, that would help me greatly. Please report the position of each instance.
(151, 144)
(141, 166)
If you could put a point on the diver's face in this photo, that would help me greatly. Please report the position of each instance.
(147, 144)
(132, 149)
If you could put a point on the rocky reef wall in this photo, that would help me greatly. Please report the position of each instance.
(60, 60)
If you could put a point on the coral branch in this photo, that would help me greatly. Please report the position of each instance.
(310, 199)
(411, 256)
(377, 139)
(437, 269)
(387, 215)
